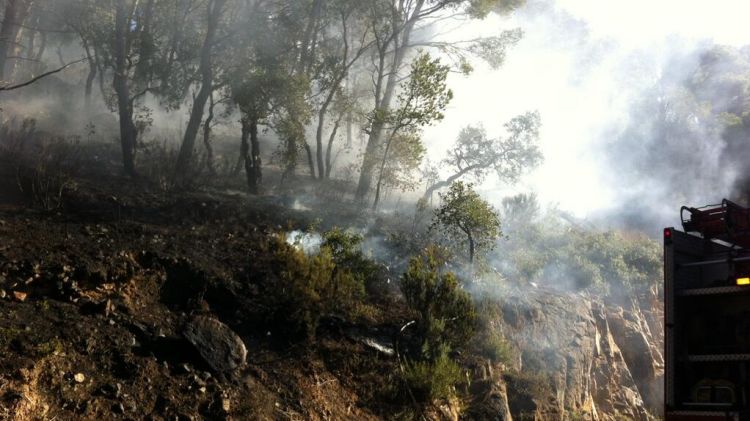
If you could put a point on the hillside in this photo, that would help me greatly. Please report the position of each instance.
(128, 303)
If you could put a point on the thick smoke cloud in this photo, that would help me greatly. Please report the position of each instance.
(624, 143)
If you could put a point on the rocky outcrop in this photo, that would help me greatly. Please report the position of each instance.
(639, 350)
(581, 359)
(490, 394)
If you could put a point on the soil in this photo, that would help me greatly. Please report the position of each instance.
(95, 295)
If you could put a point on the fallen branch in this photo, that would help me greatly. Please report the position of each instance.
(43, 75)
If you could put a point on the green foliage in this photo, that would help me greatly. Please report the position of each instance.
(467, 220)
(509, 157)
(431, 380)
(493, 49)
(425, 95)
(346, 252)
(481, 8)
(493, 345)
(551, 252)
(406, 156)
(308, 287)
(447, 319)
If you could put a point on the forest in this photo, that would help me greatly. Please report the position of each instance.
(273, 209)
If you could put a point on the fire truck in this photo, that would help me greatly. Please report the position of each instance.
(707, 314)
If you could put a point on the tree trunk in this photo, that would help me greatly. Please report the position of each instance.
(382, 170)
(90, 78)
(213, 12)
(257, 175)
(15, 13)
(251, 154)
(207, 136)
(331, 138)
(319, 135)
(376, 134)
(244, 147)
(128, 130)
(448, 181)
(310, 162)
(471, 248)
(37, 64)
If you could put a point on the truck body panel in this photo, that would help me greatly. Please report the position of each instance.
(706, 328)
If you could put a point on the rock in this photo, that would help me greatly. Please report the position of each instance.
(79, 378)
(221, 348)
(20, 296)
(567, 339)
(2, 294)
(118, 408)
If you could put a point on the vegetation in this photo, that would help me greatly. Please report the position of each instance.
(446, 313)
(467, 221)
(280, 90)
(553, 251)
(309, 287)
(475, 154)
(431, 380)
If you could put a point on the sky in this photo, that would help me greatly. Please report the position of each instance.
(582, 64)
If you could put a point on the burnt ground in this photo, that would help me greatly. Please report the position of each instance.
(95, 295)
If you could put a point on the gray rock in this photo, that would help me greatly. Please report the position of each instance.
(219, 346)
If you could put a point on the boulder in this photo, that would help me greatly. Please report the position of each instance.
(221, 348)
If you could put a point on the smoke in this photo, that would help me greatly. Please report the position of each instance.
(599, 72)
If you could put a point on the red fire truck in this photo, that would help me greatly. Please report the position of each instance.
(707, 314)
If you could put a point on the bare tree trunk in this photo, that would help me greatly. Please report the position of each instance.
(382, 170)
(471, 248)
(128, 131)
(244, 146)
(257, 174)
(93, 67)
(213, 11)
(38, 66)
(310, 161)
(319, 136)
(207, 136)
(329, 150)
(15, 13)
(251, 154)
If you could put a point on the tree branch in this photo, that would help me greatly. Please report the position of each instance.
(43, 75)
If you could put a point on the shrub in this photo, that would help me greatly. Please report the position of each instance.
(494, 346)
(447, 317)
(346, 251)
(307, 287)
(430, 380)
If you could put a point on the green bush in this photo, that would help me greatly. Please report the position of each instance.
(447, 318)
(346, 251)
(307, 287)
(493, 345)
(430, 380)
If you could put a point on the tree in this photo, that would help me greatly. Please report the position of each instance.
(393, 23)
(421, 102)
(343, 50)
(475, 154)
(467, 220)
(214, 12)
(143, 46)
